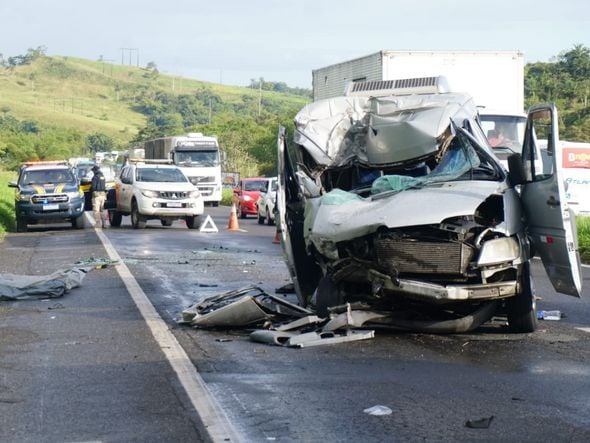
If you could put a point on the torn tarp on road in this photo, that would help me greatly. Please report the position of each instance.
(22, 287)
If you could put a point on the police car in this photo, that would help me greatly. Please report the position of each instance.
(47, 192)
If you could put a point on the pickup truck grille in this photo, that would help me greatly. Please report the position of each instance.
(173, 195)
(49, 198)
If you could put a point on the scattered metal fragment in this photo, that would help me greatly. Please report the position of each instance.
(351, 318)
(309, 339)
(378, 410)
(480, 423)
(241, 307)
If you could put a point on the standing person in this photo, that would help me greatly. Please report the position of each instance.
(99, 195)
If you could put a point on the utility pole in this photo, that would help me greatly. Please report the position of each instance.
(260, 95)
(210, 110)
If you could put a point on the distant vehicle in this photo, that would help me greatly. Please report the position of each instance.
(576, 175)
(47, 192)
(246, 195)
(266, 203)
(395, 202)
(148, 191)
(197, 155)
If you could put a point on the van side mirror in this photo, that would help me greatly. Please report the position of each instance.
(516, 173)
(12, 184)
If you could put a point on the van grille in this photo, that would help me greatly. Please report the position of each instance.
(423, 257)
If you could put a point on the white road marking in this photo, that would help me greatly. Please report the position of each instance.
(584, 329)
(211, 414)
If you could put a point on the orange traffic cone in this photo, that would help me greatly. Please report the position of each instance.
(233, 219)
(276, 239)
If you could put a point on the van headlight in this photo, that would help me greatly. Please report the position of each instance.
(74, 194)
(498, 250)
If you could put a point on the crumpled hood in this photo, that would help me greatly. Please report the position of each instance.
(346, 218)
(377, 130)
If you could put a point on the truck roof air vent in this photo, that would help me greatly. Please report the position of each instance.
(420, 85)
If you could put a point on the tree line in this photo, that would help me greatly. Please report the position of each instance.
(247, 126)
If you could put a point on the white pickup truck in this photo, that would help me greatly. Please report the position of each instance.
(147, 191)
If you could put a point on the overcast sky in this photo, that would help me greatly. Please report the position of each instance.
(233, 41)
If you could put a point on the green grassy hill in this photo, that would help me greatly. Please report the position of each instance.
(92, 96)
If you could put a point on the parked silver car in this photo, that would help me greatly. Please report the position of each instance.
(266, 203)
(391, 199)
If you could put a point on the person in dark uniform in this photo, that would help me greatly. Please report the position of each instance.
(99, 196)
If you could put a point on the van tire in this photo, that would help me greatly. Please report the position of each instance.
(522, 308)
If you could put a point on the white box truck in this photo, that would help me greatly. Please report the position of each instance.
(495, 79)
(197, 155)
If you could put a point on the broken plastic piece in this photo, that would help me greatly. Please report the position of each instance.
(549, 315)
(310, 339)
(378, 410)
(351, 318)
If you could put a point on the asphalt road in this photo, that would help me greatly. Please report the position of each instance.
(92, 371)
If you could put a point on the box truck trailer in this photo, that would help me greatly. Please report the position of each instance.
(495, 79)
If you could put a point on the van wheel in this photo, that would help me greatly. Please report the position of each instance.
(21, 224)
(115, 218)
(326, 296)
(522, 308)
(260, 218)
(137, 221)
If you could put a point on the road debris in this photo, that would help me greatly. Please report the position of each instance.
(279, 322)
(378, 410)
(480, 423)
(23, 287)
(549, 315)
(241, 307)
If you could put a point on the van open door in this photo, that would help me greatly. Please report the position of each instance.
(551, 223)
(303, 270)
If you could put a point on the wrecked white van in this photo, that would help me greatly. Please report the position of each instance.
(391, 200)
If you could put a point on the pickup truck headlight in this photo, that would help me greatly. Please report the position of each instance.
(194, 194)
(150, 194)
(22, 196)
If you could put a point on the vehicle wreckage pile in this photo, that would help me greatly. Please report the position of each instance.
(393, 210)
(391, 197)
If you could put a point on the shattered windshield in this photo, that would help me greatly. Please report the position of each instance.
(197, 158)
(459, 158)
